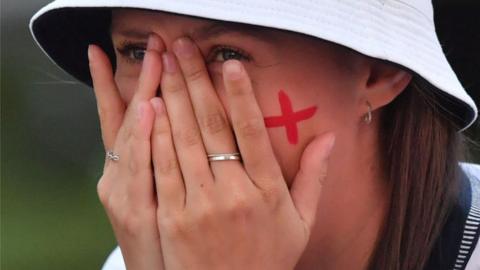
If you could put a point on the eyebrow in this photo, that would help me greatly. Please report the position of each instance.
(210, 31)
(217, 29)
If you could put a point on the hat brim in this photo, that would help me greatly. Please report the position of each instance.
(64, 32)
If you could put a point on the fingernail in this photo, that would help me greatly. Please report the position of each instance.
(233, 69)
(158, 105)
(154, 43)
(183, 47)
(169, 62)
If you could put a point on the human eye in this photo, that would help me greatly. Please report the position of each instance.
(132, 52)
(224, 53)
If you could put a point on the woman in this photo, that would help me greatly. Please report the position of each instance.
(274, 134)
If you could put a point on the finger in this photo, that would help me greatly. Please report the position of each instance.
(307, 186)
(150, 76)
(139, 153)
(248, 124)
(186, 135)
(135, 133)
(135, 156)
(147, 86)
(148, 83)
(149, 79)
(130, 202)
(110, 105)
(168, 178)
(210, 115)
(130, 177)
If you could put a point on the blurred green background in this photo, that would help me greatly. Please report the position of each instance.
(51, 152)
(52, 157)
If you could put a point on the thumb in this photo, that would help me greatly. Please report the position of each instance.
(307, 186)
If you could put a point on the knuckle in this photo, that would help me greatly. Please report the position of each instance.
(188, 138)
(138, 135)
(131, 219)
(133, 166)
(251, 128)
(103, 192)
(123, 209)
(124, 133)
(131, 133)
(132, 224)
(161, 130)
(137, 165)
(240, 208)
(272, 194)
(173, 87)
(214, 123)
(204, 215)
(167, 166)
(173, 226)
(161, 135)
(195, 74)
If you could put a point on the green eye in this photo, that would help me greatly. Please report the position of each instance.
(223, 54)
(132, 52)
(137, 54)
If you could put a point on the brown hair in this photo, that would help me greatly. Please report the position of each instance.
(421, 150)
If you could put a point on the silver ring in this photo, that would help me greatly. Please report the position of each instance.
(112, 156)
(224, 157)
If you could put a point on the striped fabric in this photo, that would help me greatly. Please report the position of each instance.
(468, 256)
(469, 238)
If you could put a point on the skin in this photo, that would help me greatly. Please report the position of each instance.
(293, 212)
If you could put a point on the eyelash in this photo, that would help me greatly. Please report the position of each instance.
(129, 49)
(240, 54)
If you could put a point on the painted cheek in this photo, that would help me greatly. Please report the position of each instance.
(289, 118)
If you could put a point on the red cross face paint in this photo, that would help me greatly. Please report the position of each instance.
(289, 119)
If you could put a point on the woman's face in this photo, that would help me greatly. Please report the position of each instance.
(304, 86)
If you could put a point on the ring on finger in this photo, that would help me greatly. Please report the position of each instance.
(224, 157)
(112, 156)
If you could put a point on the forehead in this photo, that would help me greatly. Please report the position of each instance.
(138, 17)
(143, 22)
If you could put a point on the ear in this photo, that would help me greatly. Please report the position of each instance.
(383, 83)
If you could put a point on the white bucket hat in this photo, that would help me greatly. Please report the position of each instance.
(399, 31)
